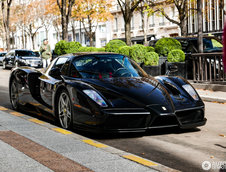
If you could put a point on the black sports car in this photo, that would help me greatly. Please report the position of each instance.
(106, 92)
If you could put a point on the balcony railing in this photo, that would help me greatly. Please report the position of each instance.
(208, 67)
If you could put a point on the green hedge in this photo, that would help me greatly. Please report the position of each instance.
(137, 52)
(114, 45)
(150, 49)
(176, 56)
(63, 47)
(165, 45)
(151, 59)
(125, 50)
(91, 49)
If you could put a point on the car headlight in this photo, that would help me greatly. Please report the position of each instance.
(95, 97)
(190, 90)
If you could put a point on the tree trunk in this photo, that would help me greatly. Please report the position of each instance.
(47, 33)
(128, 32)
(91, 40)
(33, 41)
(200, 26)
(183, 27)
(73, 31)
(127, 19)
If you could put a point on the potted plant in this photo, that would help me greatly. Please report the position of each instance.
(151, 64)
(177, 58)
(138, 52)
(163, 46)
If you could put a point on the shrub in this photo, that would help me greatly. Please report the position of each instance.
(125, 50)
(63, 47)
(87, 49)
(176, 56)
(165, 45)
(150, 49)
(60, 47)
(101, 49)
(151, 59)
(137, 52)
(72, 47)
(114, 45)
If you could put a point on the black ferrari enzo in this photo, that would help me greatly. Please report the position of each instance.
(106, 92)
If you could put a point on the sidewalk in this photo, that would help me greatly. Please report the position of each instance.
(28, 144)
(212, 96)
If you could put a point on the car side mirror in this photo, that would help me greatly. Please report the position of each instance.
(55, 72)
(173, 68)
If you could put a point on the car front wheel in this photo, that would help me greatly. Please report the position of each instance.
(14, 94)
(64, 110)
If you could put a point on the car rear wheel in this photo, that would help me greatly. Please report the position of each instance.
(64, 110)
(14, 94)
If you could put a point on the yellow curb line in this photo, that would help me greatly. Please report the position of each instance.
(98, 145)
(16, 114)
(36, 121)
(3, 108)
(140, 160)
(60, 130)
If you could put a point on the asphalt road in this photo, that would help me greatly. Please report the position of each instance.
(183, 150)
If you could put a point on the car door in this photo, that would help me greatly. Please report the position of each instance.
(50, 78)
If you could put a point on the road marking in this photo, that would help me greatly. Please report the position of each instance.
(36, 121)
(63, 131)
(3, 108)
(98, 145)
(17, 114)
(140, 160)
(41, 154)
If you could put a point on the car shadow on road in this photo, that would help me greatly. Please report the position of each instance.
(152, 132)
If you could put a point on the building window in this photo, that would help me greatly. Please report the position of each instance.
(123, 25)
(116, 25)
(132, 23)
(103, 42)
(162, 20)
(141, 22)
(102, 28)
(152, 21)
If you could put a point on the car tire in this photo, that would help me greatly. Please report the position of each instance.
(14, 94)
(4, 65)
(64, 110)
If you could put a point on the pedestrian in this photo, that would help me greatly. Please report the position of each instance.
(45, 52)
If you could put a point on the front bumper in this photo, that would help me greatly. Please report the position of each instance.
(141, 121)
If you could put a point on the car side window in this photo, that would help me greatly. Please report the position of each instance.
(60, 62)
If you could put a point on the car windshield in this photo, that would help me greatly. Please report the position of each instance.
(106, 66)
(26, 53)
(211, 45)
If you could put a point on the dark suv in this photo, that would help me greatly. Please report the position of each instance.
(16, 58)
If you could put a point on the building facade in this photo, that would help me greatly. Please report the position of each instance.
(154, 26)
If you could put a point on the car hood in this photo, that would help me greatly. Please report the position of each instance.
(132, 92)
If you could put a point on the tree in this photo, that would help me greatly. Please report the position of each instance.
(142, 9)
(5, 8)
(181, 7)
(65, 7)
(31, 19)
(127, 8)
(90, 13)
